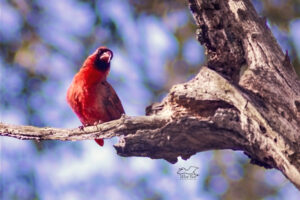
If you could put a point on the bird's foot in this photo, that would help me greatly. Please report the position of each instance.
(81, 128)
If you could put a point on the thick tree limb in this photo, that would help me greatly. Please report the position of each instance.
(246, 98)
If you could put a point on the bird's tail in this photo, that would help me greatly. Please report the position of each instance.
(100, 142)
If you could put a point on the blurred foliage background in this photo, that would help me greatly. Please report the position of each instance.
(43, 44)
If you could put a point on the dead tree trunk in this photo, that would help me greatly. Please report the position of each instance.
(246, 98)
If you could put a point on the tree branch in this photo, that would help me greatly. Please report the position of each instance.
(247, 98)
(122, 126)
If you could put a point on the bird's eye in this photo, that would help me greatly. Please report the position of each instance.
(100, 51)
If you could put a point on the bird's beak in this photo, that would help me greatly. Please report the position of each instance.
(106, 56)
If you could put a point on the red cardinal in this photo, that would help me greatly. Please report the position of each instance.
(91, 97)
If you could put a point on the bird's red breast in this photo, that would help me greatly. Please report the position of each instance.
(90, 96)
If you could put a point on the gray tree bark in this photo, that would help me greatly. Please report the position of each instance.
(246, 98)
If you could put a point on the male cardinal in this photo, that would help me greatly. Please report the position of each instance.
(91, 97)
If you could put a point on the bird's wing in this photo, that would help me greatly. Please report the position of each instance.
(112, 103)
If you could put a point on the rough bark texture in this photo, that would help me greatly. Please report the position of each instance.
(246, 98)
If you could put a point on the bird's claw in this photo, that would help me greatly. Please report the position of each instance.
(81, 128)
